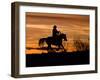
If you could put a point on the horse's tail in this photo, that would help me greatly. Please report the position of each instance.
(42, 41)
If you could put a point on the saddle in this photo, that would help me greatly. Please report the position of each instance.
(55, 39)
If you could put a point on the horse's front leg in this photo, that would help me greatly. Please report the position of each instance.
(63, 48)
(49, 46)
(58, 47)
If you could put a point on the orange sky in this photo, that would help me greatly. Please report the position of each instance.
(39, 25)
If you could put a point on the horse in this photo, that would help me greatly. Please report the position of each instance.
(53, 41)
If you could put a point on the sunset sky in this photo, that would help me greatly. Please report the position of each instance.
(40, 25)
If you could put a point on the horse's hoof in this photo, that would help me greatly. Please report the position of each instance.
(64, 50)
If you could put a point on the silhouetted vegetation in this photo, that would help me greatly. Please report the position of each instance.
(81, 45)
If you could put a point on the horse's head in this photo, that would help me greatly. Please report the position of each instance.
(64, 36)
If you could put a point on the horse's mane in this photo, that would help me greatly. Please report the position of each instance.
(62, 34)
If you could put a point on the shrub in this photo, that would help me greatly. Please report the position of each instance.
(81, 46)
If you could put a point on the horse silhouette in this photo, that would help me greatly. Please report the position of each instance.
(53, 41)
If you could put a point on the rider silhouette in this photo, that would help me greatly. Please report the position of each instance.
(55, 32)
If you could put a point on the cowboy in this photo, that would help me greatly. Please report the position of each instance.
(55, 32)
